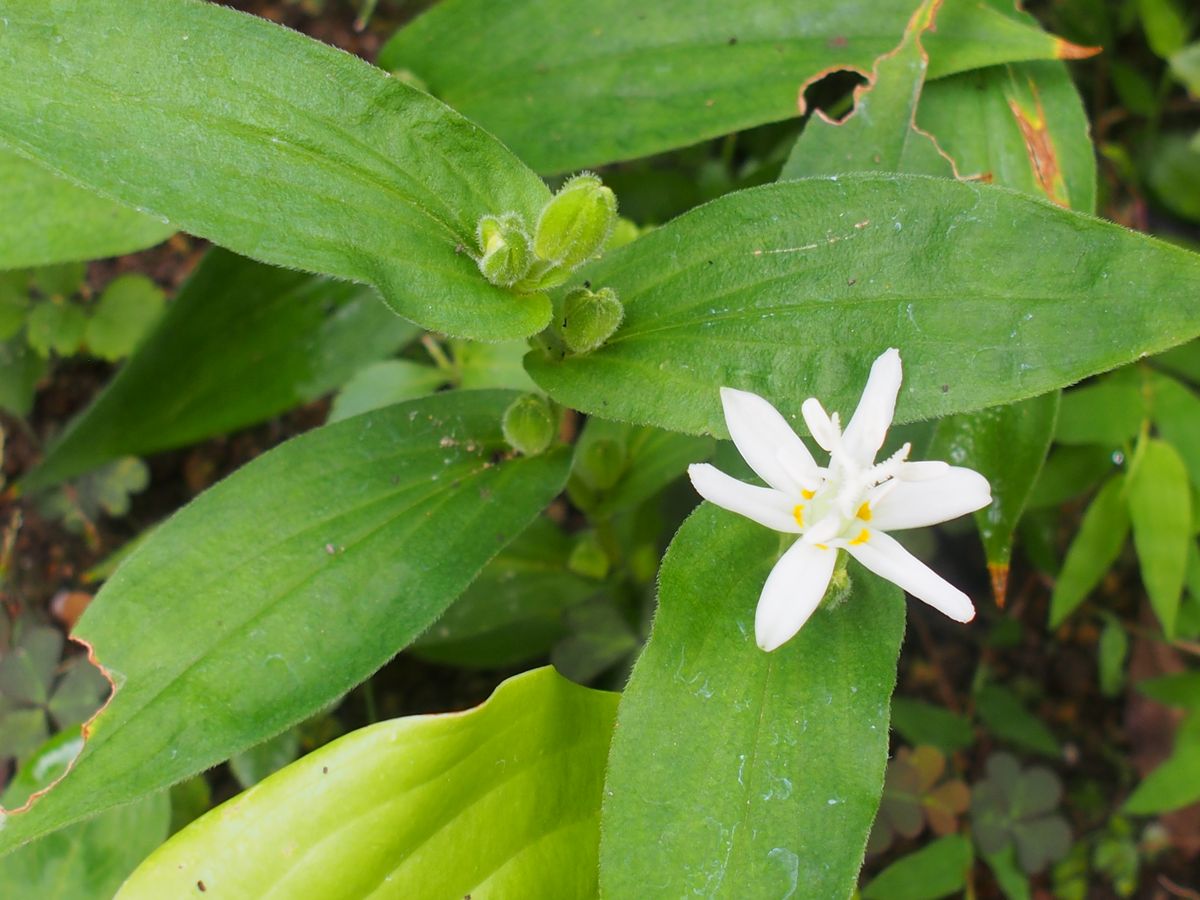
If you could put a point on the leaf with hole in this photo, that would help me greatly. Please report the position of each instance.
(617, 79)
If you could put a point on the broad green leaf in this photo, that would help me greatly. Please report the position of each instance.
(1182, 689)
(500, 801)
(1176, 783)
(1177, 415)
(1012, 881)
(1094, 548)
(235, 323)
(881, 134)
(129, 307)
(791, 290)
(45, 219)
(936, 870)
(88, 860)
(1008, 444)
(736, 770)
(282, 587)
(299, 155)
(923, 723)
(574, 83)
(1006, 718)
(514, 610)
(1108, 412)
(384, 383)
(1020, 126)
(1160, 511)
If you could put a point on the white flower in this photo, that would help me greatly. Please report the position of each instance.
(848, 505)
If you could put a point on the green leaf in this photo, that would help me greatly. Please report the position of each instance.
(1109, 412)
(300, 155)
(1165, 26)
(732, 767)
(384, 383)
(616, 79)
(1008, 445)
(1012, 881)
(45, 219)
(513, 611)
(923, 723)
(1007, 718)
(1185, 65)
(27, 670)
(276, 591)
(1067, 473)
(1110, 657)
(1095, 547)
(1172, 171)
(881, 134)
(56, 327)
(14, 302)
(293, 336)
(1160, 511)
(1177, 415)
(500, 801)
(1176, 783)
(251, 766)
(1020, 126)
(129, 307)
(1182, 689)
(88, 860)
(934, 871)
(791, 290)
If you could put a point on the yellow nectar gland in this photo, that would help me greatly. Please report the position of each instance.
(863, 537)
(807, 495)
(864, 512)
(798, 514)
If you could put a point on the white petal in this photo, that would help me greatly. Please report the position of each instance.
(793, 590)
(884, 556)
(766, 506)
(823, 429)
(923, 470)
(868, 427)
(914, 504)
(761, 434)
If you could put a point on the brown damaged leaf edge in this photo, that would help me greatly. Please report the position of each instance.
(923, 19)
(999, 574)
(86, 732)
(1043, 157)
(1066, 50)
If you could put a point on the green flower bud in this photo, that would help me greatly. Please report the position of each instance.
(529, 425)
(576, 222)
(601, 464)
(588, 558)
(589, 318)
(504, 246)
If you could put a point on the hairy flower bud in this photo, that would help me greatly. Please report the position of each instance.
(577, 221)
(529, 425)
(504, 246)
(589, 318)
